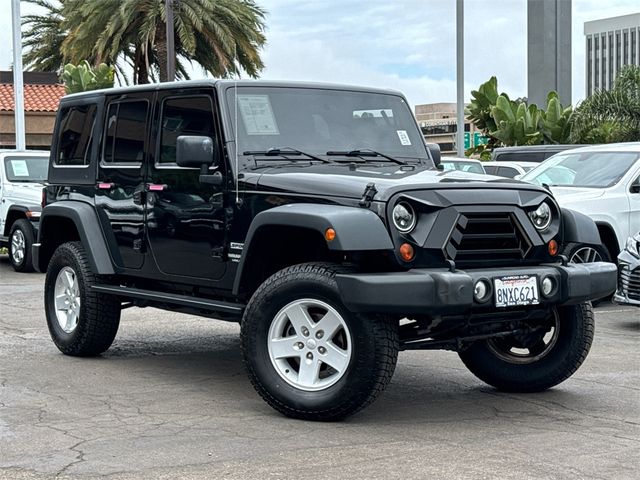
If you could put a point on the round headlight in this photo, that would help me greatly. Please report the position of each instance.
(404, 218)
(541, 216)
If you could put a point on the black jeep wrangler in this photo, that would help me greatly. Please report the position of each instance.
(314, 215)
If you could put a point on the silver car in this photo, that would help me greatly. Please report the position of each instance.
(629, 273)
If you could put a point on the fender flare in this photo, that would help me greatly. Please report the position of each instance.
(85, 219)
(579, 228)
(357, 229)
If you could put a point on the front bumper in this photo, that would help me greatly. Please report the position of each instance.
(441, 292)
(628, 280)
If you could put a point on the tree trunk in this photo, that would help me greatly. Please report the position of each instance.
(141, 74)
(161, 50)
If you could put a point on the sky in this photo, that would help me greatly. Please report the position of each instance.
(406, 45)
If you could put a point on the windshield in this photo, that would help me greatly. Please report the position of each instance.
(317, 121)
(589, 169)
(472, 167)
(26, 169)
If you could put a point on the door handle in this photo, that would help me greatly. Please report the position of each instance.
(157, 187)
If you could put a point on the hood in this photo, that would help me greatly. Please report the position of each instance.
(570, 195)
(27, 194)
(344, 180)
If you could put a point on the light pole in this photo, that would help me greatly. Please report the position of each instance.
(171, 44)
(460, 77)
(18, 85)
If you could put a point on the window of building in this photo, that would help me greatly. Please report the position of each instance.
(125, 133)
(605, 53)
(596, 64)
(589, 65)
(633, 46)
(625, 49)
(184, 116)
(618, 52)
(76, 125)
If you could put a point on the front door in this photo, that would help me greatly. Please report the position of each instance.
(120, 188)
(185, 218)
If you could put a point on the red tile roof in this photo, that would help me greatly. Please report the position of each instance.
(37, 98)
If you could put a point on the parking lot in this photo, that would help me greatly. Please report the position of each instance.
(170, 399)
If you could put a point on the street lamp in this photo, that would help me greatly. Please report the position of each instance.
(460, 77)
(18, 84)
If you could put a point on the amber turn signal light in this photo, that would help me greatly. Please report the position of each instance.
(553, 248)
(330, 234)
(406, 252)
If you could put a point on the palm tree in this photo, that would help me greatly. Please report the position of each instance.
(610, 115)
(44, 36)
(223, 36)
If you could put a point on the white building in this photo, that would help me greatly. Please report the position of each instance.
(610, 44)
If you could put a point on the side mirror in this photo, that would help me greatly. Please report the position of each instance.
(635, 186)
(195, 151)
(434, 152)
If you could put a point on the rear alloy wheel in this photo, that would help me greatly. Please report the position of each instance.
(586, 255)
(306, 354)
(81, 322)
(546, 356)
(20, 241)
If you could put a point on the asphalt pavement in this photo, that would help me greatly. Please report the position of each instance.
(170, 399)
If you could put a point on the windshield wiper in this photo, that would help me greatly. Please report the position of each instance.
(365, 153)
(285, 152)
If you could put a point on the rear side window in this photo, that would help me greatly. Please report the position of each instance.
(76, 126)
(507, 172)
(125, 133)
(183, 116)
(491, 169)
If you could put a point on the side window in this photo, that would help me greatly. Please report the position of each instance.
(490, 169)
(507, 172)
(76, 126)
(183, 116)
(126, 127)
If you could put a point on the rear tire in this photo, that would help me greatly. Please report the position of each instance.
(493, 362)
(352, 357)
(81, 322)
(20, 241)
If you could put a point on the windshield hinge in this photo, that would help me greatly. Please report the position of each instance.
(368, 195)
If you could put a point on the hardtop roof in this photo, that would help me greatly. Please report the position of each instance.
(204, 83)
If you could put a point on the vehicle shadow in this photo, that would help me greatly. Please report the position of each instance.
(422, 391)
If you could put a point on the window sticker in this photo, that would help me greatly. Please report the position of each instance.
(19, 168)
(404, 137)
(257, 115)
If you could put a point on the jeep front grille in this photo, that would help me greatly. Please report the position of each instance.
(486, 237)
(629, 282)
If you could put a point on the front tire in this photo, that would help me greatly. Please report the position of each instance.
(81, 322)
(306, 354)
(20, 241)
(535, 364)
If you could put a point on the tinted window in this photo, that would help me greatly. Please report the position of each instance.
(184, 116)
(76, 125)
(507, 172)
(491, 169)
(521, 156)
(125, 132)
(26, 169)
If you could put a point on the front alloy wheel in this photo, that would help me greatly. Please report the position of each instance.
(306, 354)
(310, 344)
(67, 299)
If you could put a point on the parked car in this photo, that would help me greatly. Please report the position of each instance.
(315, 216)
(22, 174)
(508, 169)
(462, 164)
(528, 153)
(629, 273)
(602, 182)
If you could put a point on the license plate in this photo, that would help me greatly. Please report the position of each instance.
(516, 290)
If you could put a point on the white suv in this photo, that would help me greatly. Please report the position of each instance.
(22, 174)
(602, 182)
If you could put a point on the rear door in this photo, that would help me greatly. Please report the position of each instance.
(185, 218)
(120, 188)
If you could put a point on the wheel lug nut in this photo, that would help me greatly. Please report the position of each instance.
(305, 331)
(319, 334)
(300, 345)
(322, 350)
(310, 356)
